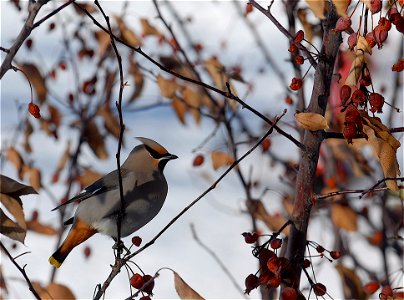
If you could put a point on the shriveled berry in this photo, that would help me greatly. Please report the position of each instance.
(299, 60)
(375, 6)
(352, 39)
(320, 249)
(351, 115)
(370, 38)
(248, 8)
(358, 97)
(296, 84)
(251, 282)
(384, 24)
(349, 132)
(149, 284)
(376, 102)
(250, 238)
(319, 289)
(289, 100)
(266, 144)
(87, 252)
(386, 293)
(343, 24)
(288, 293)
(299, 36)
(380, 35)
(344, 93)
(292, 48)
(306, 263)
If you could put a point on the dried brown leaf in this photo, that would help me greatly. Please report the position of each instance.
(317, 7)
(179, 107)
(148, 29)
(341, 6)
(34, 176)
(28, 130)
(344, 217)
(14, 207)
(36, 79)
(273, 221)
(307, 26)
(13, 188)
(111, 122)
(11, 229)
(352, 285)
(362, 47)
(88, 177)
(36, 226)
(95, 140)
(108, 85)
(53, 291)
(55, 117)
(62, 162)
(127, 35)
(168, 87)
(16, 159)
(220, 159)
(311, 121)
(194, 100)
(104, 41)
(184, 291)
(138, 79)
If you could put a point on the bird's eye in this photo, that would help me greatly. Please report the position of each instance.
(154, 153)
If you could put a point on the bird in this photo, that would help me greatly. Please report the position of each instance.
(144, 192)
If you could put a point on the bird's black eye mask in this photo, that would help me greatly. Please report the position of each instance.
(154, 153)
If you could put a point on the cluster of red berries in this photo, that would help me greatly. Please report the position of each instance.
(145, 283)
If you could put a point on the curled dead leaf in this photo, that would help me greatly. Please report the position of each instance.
(95, 140)
(10, 228)
(111, 122)
(168, 87)
(341, 6)
(179, 107)
(53, 291)
(138, 79)
(311, 121)
(148, 29)
(36, 79)
(362, 47)
(351, 283)
(194, 100)
(127, 35)
(16, 159)
(317, 7)
(34, 178)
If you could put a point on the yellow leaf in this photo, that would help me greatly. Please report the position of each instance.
(168, 87)
(179, 107)
(220, 159)
(127, 35)
(311, 121)
(341, 6)
(344, 217)
(148, 29)
(184, 291)
(317, 7)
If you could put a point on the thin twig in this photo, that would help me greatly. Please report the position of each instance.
(22, 270)
(219, 262)
(48, 16)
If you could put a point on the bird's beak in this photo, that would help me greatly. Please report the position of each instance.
(172, 156)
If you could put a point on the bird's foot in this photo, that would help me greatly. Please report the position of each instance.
(119, 246)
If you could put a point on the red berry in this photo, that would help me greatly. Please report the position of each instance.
(145, 298)
(386, 293)
(289, 100)
(28, 43)
(251, 282)
(319, 289)
(320, 249)
(384, 24)
(376, 102)
(250, 238)
(306, 263)
(136, 281)
(35, 215)
(343, 24)
(266, 144)
(87, 252)
(62, 65)
(344, 93)
(380, 35)
(335, 254)
(149, 284)
(351, 115)
(292, 48)
(288, 293)
(198, 160)
(349, 132)
(375, 6)
(352, 39)
(276, 243)
(249, 8)
(299, 36)
(296, 84)
(34, 110)
(51, 26)
(370, 38)
(136, 240)
(358, 97)
(371, 287)
(299, 60)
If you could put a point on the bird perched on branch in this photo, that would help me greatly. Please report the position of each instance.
(144, 190)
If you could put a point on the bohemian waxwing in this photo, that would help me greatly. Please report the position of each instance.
(144, 189)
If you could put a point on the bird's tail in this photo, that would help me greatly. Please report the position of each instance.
(77, 234)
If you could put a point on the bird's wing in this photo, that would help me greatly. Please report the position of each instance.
(107, 183)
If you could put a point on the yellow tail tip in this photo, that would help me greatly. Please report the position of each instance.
(54, 262)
